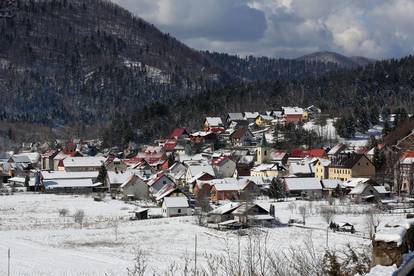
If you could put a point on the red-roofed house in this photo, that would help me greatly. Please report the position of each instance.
(299, 153)
(224, 167)
(179, 134)
(241, 137)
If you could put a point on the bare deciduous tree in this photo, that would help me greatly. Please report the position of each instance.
(304, 213)
(140, 264)
(78, 217)
(327, 213)
(372, 220)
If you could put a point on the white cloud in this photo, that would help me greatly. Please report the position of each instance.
(289, 28)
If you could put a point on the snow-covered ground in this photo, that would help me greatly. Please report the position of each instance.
(43, 243)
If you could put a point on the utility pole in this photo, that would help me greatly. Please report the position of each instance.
(327, 232)
(195, 256)
(8, 262)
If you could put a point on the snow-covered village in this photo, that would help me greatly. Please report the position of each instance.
(206, 137)
(222, 199)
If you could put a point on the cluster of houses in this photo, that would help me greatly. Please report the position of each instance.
(187, 168)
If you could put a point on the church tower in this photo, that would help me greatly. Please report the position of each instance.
(262, 151)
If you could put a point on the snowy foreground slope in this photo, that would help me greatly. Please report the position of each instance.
(44, 243)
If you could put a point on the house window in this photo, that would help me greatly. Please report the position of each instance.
(164, 182)
(179, 211)
(265, 152)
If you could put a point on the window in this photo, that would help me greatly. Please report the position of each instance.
(179, 211)
(164, 182)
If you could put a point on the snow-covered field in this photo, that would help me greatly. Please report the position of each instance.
(44, 243)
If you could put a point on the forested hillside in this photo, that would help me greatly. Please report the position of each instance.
(89, 64)
(358, 96)
(65, 61)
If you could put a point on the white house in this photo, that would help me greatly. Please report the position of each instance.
(175, 206)
(224, 167)
(134, 188)
(78, 164)
(307, 186)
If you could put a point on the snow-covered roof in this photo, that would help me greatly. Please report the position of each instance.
(83, 162)
(176, 202)
(353, 182)
(226, 208)
(381, 189)
(302, 168)
(72, 183)
(230, 184)
(22, 180)
(331, 183)
(265, 167)
(121, 177)
(251, 115)
(293, 110)
(235, 117)
(266, 117)
(48, 175)
(359, 188)
(195, 170)
(214, 121)
(19, 158)
(305, 183)
(33, 156)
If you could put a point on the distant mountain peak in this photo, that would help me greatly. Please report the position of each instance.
(340, 60)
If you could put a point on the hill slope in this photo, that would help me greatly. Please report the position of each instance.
(67, 59)
(338, 59)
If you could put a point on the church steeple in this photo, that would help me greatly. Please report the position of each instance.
(263, 143)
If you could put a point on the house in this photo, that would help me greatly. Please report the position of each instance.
(179, 134)
(264, 120)
(241, 137)
(304, 168)
(235, 117)
(251, 116)
(232, 189)
(169, 190)
(195, 170)
(70, 185)
(115, 179)
(406, 172)
(78, 164)
(294, 114)
(332, 186)
(204, 137)
(175, 206)
(178, 171)
(350, 165)
(244, 165)
(58, 161)
(336, 150)
(366, 191)
(47, 160)
(253, 214)
(212, 122)
(113, 163)
(300, 153)
(223, 213)
(134, 188)
(304, 187)
(159, 181)
(269, 170)
(322, 168)
(223, 167)
(63, 175)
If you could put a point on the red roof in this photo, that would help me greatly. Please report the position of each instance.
(408, 154)
(176, 133)
(216, 129)
(239, 133)
(170, 145)
(311, 153)
(219, 160)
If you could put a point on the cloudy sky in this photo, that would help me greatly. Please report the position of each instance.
(285, 28)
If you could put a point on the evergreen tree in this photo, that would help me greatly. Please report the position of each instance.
(277, 189)
(378, 159)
